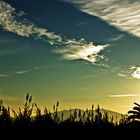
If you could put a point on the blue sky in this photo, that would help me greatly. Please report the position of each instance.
(75, 51)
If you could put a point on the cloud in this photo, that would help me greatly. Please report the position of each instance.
(121, 75)
(3, 75)
(123, 95)
(37, 67)
(135, 72)
(81, 50)
(125, 74)
(23, 72)
(29, 70)
(117, 38)
(81, 23)
(14, 22)
(74, 49)
(123, 14)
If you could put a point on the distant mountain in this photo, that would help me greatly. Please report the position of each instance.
(116, 116)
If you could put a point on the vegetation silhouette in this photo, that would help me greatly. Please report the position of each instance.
(134, 116)
(89, 120)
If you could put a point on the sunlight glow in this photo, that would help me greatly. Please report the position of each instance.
(136, 72)
(82, 50)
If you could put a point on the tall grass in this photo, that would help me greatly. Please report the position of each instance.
(85, 120)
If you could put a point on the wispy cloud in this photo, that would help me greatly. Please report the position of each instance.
(83, 23)
(82, 50)
(3, 75)
(123, 14)
(125, 74)
(135, 72)
(37, 67)
(117, 38)
(12, 21)
(123, 95)
(23, 72)
(122, 75)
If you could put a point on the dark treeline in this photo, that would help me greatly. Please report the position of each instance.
(51, 121)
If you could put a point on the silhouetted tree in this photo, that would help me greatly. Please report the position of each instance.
(135, 113)
(134, 116)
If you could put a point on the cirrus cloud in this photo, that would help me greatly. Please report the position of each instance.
(123, 14)
(3, 75)
(123, 95)
(23, 72)
(12, 21)
(74, 49)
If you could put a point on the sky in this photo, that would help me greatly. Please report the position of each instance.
(76, 52)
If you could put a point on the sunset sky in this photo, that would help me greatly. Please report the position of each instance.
(77, 52)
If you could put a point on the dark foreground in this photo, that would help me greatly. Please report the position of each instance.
(49, 125)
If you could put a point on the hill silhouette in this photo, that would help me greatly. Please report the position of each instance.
(116, 116)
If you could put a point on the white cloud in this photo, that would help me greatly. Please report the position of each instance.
(13, 22)
(9, 22)
(121, 75)
(3, 75)
(82, 50)
(123, 95)
(119, 37)
(74, 49)
(23, 72)
(123, 14)
(135, 72)
(37, 67)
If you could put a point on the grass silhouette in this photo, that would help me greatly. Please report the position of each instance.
(51, 121)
